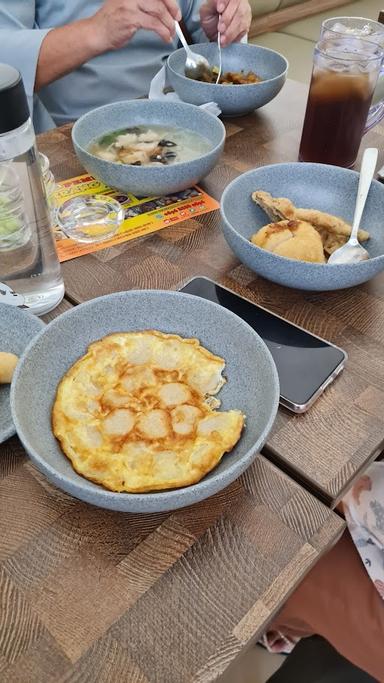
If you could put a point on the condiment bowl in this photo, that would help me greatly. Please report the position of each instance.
(146, 181)
(317, 186)
(233, 100)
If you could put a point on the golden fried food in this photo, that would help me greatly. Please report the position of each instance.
(8, 362)
(137, 412)
(276, 208)
(334, 231)
(292, 239)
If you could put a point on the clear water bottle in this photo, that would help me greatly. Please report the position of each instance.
(28, 260)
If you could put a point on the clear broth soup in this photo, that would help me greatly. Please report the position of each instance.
(150, 146)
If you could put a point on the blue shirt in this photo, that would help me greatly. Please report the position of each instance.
(117, 75)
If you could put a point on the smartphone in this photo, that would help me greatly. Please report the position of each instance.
(306, 364)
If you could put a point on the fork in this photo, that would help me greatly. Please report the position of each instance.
(195, 65)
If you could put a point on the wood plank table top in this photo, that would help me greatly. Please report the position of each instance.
(92, 595)
(326, 448)
(88, 594)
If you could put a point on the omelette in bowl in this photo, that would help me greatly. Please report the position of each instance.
(137, 412)
(42, 384)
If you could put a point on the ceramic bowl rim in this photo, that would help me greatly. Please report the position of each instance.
(11, 431)
(182, 165)
(170, 495)
(231, 86)
(285, 259)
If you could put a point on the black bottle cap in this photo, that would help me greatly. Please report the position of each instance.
(14, 109)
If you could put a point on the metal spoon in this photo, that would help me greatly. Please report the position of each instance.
(219, 46)
(352, 251)
(195, 65)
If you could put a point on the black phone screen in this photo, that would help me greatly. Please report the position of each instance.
(304, 362)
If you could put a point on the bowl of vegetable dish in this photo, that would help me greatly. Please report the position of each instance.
(251, 77)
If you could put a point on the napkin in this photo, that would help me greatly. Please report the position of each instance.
(159, 83)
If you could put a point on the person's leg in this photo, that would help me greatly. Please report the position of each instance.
(314, 660)
(338, 601)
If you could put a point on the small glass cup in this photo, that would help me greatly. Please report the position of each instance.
(90, 218)
(344, 76)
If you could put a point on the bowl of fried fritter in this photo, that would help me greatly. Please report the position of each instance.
(154, 400)
(251, 77)
(284, 221)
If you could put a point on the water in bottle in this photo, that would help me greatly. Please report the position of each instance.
(28, 260)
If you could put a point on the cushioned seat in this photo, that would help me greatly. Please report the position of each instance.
(298, 51)
(309, 28)
(296, 40)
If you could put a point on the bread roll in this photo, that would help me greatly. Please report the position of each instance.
(8, 362)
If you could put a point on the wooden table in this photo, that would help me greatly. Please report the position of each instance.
(326, 448)
(92, 595)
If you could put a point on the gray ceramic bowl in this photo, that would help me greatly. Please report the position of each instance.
(318, 186)
(17, 328)
(233, 100)
(146, 180)
(252, 386)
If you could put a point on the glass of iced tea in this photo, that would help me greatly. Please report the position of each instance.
(344, 76)
(373, 31)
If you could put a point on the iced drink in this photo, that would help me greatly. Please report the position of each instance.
(343, 80)
(337, 110)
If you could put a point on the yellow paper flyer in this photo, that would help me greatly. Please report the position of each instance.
(142, 216)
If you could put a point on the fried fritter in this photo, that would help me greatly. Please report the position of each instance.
(292, 239)
(334, 231)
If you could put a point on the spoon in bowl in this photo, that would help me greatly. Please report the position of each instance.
(352, 251)
(219, 48)
(195, 65)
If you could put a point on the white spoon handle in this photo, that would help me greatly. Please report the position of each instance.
(368, 166)
(181, 37)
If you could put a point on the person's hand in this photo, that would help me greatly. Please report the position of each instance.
(231, 17)
(117, 21)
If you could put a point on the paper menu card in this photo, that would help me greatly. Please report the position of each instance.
(142, 216)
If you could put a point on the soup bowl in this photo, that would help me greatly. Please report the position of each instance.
(316, 186)
(145, 181)
(252, 386)
(233, 100)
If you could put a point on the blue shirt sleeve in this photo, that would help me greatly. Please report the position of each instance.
(20, 43)
(191, 17)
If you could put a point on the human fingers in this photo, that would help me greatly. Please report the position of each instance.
(209, 19)
(227, 19)
(173, 9)
(235, 21)
(163, 27)
(116, 22)
(162, 11)
(161, 8)
(221, 6)
(239, 37)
